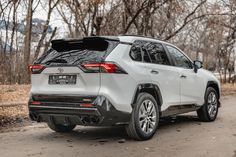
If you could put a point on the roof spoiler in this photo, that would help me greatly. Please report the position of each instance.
(90, 43)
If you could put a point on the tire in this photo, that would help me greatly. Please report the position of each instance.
(145, 113)
(209, 111)
(63, 128)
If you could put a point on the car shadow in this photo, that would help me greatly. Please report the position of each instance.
(178, 120)
(103, 135)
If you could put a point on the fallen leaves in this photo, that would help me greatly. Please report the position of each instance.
(12, 115)
(14, 93)
(228, 89)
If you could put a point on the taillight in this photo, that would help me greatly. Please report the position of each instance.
(105, 67)
(36, 68)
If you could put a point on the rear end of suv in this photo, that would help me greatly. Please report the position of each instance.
(78, 83)
(125, 80)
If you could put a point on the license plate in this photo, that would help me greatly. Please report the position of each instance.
(62, 79)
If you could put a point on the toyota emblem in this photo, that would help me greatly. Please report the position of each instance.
(60, 70)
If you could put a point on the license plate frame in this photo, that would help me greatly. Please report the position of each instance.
(62, 79)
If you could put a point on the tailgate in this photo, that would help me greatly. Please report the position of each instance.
(63, 71)
(85, 83)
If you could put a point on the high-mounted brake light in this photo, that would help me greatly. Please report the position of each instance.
(36, 68)
(106, 67)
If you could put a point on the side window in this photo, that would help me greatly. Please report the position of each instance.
(157, 53)
(135, 52)
(138, 53)
(179, 58)
(149, 52)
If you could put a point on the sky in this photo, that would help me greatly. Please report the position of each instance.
(41, 13)
(56, 20)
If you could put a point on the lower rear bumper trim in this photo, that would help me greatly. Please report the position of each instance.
(59, 107)
(103, 111)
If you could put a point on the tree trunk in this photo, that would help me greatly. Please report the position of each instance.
(27, 41)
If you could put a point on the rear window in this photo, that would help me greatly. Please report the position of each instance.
(75, 52)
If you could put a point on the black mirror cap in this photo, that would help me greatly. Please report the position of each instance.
(197, 65)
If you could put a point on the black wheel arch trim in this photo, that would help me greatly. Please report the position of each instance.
(148, 87)
(215, 85)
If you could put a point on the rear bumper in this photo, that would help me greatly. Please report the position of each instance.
(71, 109)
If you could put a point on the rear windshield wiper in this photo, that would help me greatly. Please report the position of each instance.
(57, 61)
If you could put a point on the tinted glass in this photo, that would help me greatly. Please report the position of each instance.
(77, 53)
(149, 52)
(179, 58)
(157, 53)
(146, 57)
(135, 52)
(138, 51)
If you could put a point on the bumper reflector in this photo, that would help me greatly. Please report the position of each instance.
(86, 105)
(36, 103)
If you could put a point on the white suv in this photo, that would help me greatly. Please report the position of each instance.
(125, 80)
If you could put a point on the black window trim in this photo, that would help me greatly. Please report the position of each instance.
(165, 50)
(130, 53)
(174, 64)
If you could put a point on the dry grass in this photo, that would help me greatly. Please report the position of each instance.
(228, 89)
(17, 114)
(13, 115)
(14, 93)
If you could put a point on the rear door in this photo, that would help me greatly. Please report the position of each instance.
(162, 73)
(191, 84)
(70, 67)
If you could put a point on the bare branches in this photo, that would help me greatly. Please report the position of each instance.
(187, 20)
(47, 44)
(133, 17)
(45, 27)
(200, 27)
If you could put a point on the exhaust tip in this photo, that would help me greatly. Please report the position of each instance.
(90, 120)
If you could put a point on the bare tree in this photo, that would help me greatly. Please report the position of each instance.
(198, 27)
(27, 40)
(45, 27)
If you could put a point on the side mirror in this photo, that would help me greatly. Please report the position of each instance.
(197, 65)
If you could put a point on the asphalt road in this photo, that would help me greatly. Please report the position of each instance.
(181, 136)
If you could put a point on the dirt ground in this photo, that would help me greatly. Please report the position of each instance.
(182, 136)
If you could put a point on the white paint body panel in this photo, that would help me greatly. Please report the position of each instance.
(119, 89)
(168, 82)
(86, 84)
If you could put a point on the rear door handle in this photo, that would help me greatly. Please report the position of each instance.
(154, 72)
(183, 76)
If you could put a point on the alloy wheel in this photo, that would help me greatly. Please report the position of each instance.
(147, 116)
(212, 104)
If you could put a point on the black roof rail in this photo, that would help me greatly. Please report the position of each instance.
(139, 36)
